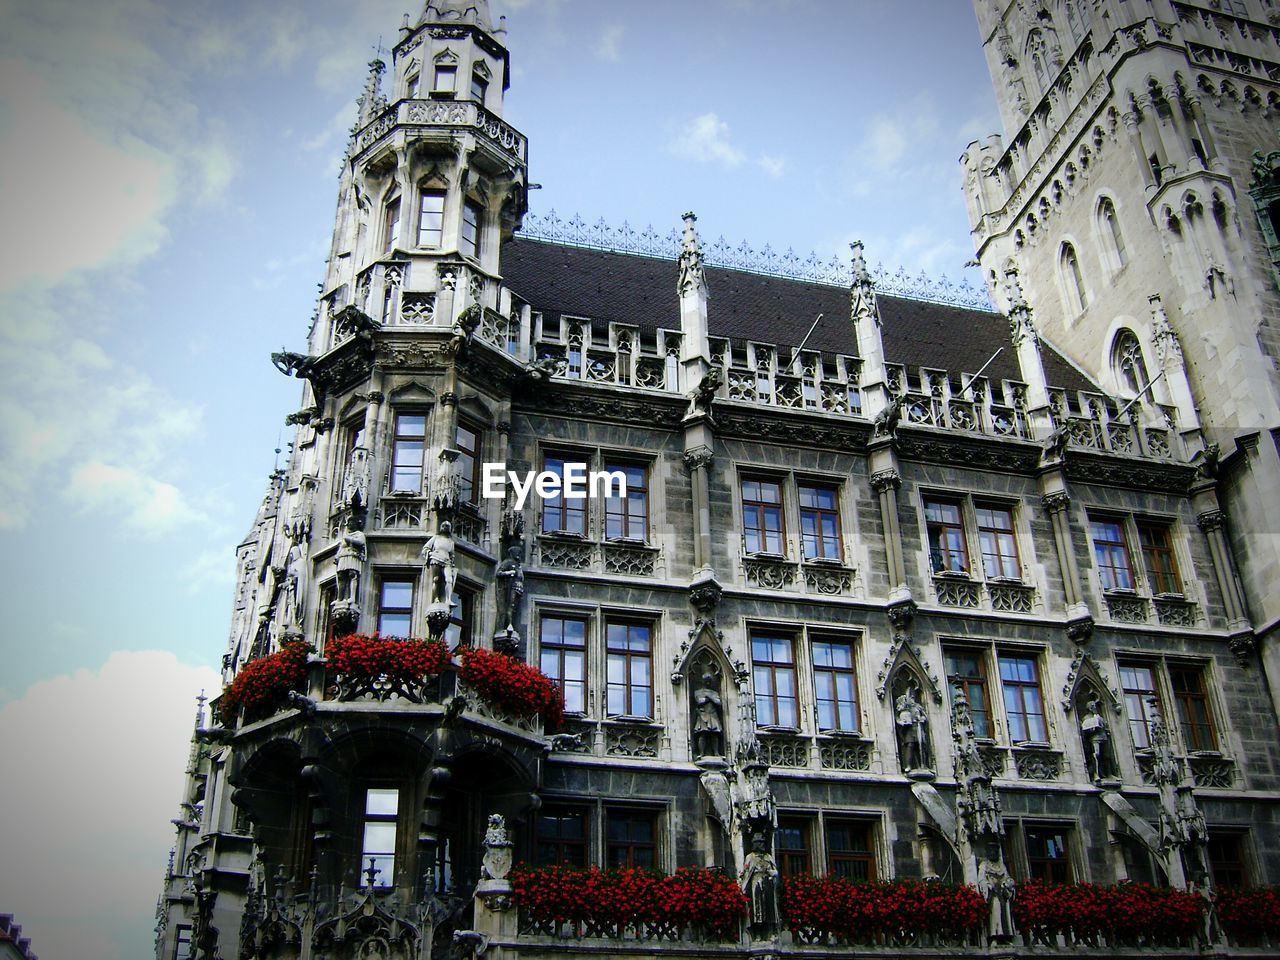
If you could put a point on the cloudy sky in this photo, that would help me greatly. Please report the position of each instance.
(167, 178)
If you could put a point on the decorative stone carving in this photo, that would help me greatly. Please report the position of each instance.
(999, 888)
(955, 592)
(350, 559)
(705, 595)
(768, 573)
(1037, 764)
(565, 554)
(1011, 597)
(441, 567)
(843, 754)
(1126, 609)
(1213, 772)
(781, 750)
(760, 882)
(701, 396)
(1242, 647)
(886, 425)
(630, 740)
(630, 559)
(708, 717)
(510, 579)
(498, 856)
(698, 458)
(1175, 612)
(911, 720)
(827, 580)
(1095, 734)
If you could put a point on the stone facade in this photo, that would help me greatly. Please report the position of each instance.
(861, 612)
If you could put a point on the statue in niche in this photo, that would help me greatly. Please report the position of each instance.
(510, 577)
(912, 721)
(999, 888)
(350, 558)
(760, 880)
(293, 572)
(1098, 757)
(708, 717)
(442, 570)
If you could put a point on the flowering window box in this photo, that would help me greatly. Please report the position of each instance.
(262, 686)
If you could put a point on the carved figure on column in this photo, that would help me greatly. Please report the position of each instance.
(510, 577)
(760, 881)
(999, 888)
(1098, 756)
(292, 589)
(912, 722)
(442, 570)
(886, 422)
(700, 397)
(350, 559)
(708, 717)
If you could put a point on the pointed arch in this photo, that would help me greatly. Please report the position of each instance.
(903, 654)
(1085, 670)
(1128, 363)
(1111, 234)
(1076, 298)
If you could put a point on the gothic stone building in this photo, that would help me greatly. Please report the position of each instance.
(881, 588)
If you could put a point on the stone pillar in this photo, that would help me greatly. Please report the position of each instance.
(1022, 332)
(864, 313)
(885, 481)
(698, 457)
(1056, 501)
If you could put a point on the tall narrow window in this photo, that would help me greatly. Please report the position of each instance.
(1138, 681)
(412, 85)
(1023, 703)
(792, 843)
(850, 853)
(562, 836)
(461, 617)
(1128, 363)
(182, 942)
(561, 514)
(1074, 22)
(1193, 708)
(391, 225)
(631, 838)
(999, 546)
(627, 518)
(406, 454)
(563, 645)
(479, 88)
(1227, 860)
(836, 685)
(774, 673)
(762, 516)
(1072, 279)
(446, 79)
(1111, 228)
(1048, 857)
(468, 441)
(630, 669)
(945, 529)
(395, 608)
(819, 522)
(1111, 552)
(1157, 557)
(965, 670)
(378, 849)
(431, 218)
(472, 217)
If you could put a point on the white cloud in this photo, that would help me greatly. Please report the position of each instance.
(887, 143)
(773, 166)
(705, 139)
(607, 46)
(94, 765)
(148, 505)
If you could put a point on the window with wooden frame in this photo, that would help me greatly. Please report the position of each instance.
(944, 527)
(395, 607)
(792, 841)
(560, 514)
(627, 518)
(479, 87)
(1195, 719)
(1228, 863)
(468, 441)
(1023, 701)
(1138, 682)
(562, 645)
(412, 84)
(1111, 553)
(774, 676)
(461, 619)
(763, 528)
(407, 447)
(629, 665)
(851, 849)
(819, 522)
(472, 219)
(431, 218)
(998, 542)
(966, 669)
(1157, 557)
(182, 942)
(835, 685)
(391, 224)
(562, 835)
(1048, 853)
(631, 838)
(378, 836)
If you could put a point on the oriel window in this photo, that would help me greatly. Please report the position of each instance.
(479, 88)
(468, 445)
(395, 608)
(391, 225)
(406, 454)
(431, 219)
(472, 217)
(446, 78)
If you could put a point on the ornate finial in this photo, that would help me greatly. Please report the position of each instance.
(861, 275)
(692, 276)
(371, 101)
(371, 872)
(1013, 287)
(458, 11)
(1021, 326)
(1166, 339)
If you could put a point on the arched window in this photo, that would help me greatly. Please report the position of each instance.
(1110, 224)
(1072, 279)
(1128, 363)
(1039, 60)
(1074, 21)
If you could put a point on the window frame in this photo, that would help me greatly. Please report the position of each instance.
(839, 705)
(1039, 865)
(941, 560)
(1243, 865)
(425, 194)
(820, 514)
(1072, 274)
(367, 818)
(179, 942)
(1159, 560)
(391, 217)
(999, 535)
(795, 861)
(772, 669)
(397, 438)
(581, 682)
(760, 508)
(867, 857)
(628, 657)
(626, 506)
(1142, 696)
(475, 454)
(479, 80)
(1023, 688)
(967, 684)
(560, 842)
(1121, 548)
(391, 578)
(470, 235)
(1189, 730)
(560, 506)
(618, 812)
(442, 71)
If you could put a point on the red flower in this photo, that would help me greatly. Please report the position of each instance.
(408, 662)
(1129, 913)
(1249, 913)
(818, 907)
(262, 685)
(512, 686)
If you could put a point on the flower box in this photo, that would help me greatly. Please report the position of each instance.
(262, 686)
(379, 667)
(898, 912)
(1249, 915)
(512, 686)
(1133, 914)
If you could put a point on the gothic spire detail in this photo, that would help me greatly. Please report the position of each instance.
(1021, 324)
(692, 275)
(1166, 338)
(371, 102)
(862, 287)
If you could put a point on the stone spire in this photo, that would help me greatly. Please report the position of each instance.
(371, 102)
(1026, 342)
(691, 287)
(864, 313)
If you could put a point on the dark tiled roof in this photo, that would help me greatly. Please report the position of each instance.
(639, 290)
(12, 933)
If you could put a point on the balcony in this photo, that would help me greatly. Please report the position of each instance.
(421, 116)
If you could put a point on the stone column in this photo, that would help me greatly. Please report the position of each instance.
(1213, 522)
(885, 481)
(1022, 333)
(1057, 502)
(698, 459)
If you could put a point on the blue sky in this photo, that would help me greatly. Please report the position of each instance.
(167, 188)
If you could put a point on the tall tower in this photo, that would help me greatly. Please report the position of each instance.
(1135, 190)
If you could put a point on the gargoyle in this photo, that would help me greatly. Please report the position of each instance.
(293, 364)
(886, 422)
(700, 397)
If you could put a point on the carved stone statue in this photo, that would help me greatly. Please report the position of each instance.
(999, 888)
(510, 577)
(708, 717)
(1096, 736)
(442, 570)
(760, 880)
(700, 397)
(293, 572)
(886, 422)
(912, 721)
(350, 558)
(498, 848)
